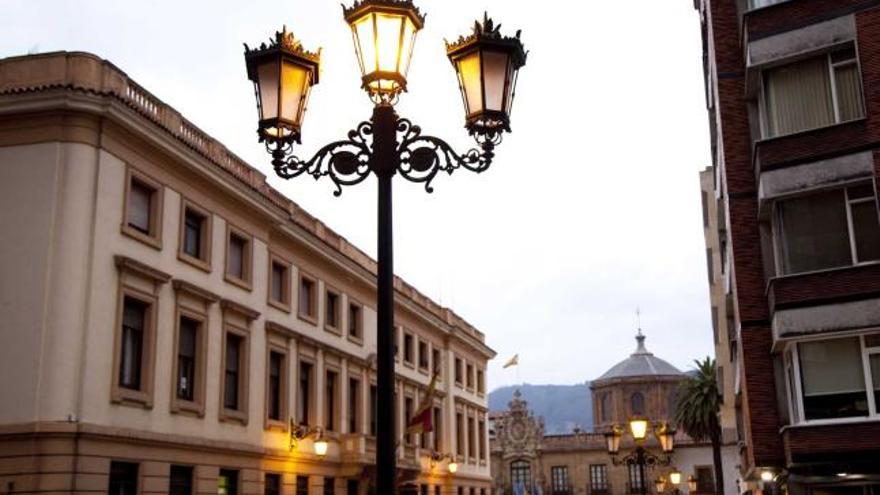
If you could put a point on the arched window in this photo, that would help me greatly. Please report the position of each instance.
(637, 403)
(520, 474)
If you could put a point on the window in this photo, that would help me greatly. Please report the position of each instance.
(307, 300)
(238, 257)
(520, 475)
(423, 355)
(305, 395)
(481, 382)
(813, 93)
(705, 479)
(829, 229)
(302, 485)
(637, 403)
(275, 386)
(272, 484)
(872, 342)
(459, 434)
(438, 429)
(458, 371)
(195, 235)
(756, 4)
(437, 361)
(635, 478)
(598, 478)
(559, 479)
(396, 342)
(832, 379)
(123, 478)
(408, 348)
(352, 487)
(232, 371)
(355, 321)
(187, 352)
(329, 486)
(423, 489)
(331, 318)
(354, 394)
(330, 409)
(374, 408)
(469, 376)
(143, 209)
(472, 439)
(134, 323)
(279, 283)
(605, 407)
(227, 482)
(180, 481)
(407, 415)
(481, 433)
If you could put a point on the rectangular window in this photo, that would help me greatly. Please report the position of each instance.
(813, 93)
(279, 284)
(180, 482)
(123, 478)
(238, 258)
(275, 385)
(232, 372)
(352, 487)
(305, 393)
(355, 321)
(354, 394)
(481, 434)
(598, 478)
(437, 361)
(330, 409)
(302, 485)
(832, 379)
(272, 484)
(307, 288)
(472, 439)
(407, 414)
(194, 237)
(134, 324)
(635, 478)
(227, 482)
(469, 375)
(458, 371)
(559, 479)
(829, 229)
(438, 429)
(331, 317)
(423, 355)
(374, 408)
(408, 348)
(143, 208)
(187, 352)
(705, 479)
(459, 434)
(329, 486)
(481, 382)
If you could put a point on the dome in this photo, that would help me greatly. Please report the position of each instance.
(640, 363)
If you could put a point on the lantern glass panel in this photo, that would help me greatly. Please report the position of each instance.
(388, 32)
(638, 428)
(409, 42)
(471, 81)
(268, 84)
(365, 43)
(494, 74)
(294, 84)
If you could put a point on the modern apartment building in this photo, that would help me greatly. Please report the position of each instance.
(167, 318)
(793, 94)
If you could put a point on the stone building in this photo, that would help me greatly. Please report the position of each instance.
(578, 462)
(793, 103)
(166, 315)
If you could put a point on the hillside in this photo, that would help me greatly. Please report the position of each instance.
(562, 406)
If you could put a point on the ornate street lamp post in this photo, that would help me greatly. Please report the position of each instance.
(384, 33)
(640, 457)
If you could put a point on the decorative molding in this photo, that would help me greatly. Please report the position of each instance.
(230, 305)
(190, 288)
(131, 265)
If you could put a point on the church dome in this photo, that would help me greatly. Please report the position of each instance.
(641, 363)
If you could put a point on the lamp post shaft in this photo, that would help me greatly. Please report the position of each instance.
(383, 163)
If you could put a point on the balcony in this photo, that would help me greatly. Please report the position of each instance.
(839, 444)
(810, 146)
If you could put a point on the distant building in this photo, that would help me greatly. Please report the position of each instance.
(578, 462)
(793, 100)
(164, 313)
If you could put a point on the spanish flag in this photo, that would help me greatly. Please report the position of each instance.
(423, 419)
(512, 361)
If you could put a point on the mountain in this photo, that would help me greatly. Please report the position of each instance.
(562, 406)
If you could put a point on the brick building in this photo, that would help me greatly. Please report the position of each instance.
(793, 94)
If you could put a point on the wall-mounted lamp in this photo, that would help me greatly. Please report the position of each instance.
(692, 484)
(301, 432)
(438, 457)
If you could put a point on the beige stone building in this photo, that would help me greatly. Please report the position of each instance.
(164, 313)
(578, 462)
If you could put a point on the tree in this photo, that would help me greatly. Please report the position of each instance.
(697, 412)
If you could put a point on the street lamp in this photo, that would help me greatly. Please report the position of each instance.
(384, 32)
(692, 484)
(301, 432)
(638, 428)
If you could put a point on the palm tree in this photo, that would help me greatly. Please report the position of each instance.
(697, 412)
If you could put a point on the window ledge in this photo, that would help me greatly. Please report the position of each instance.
(307, 318)
(333, 330)
(204, 265)
(234, 416)
(792, 276)
(241, 283)
(278, 305)
(831, 422)
(356, 340)
(181, 406)
(154, 242)
(806, 132)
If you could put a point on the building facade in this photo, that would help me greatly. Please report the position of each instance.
(793, 94)
(166, 316)
(579, 463)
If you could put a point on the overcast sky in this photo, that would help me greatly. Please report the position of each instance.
(591, 209)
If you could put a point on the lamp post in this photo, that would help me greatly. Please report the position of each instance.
(640, 457)
(384, 33)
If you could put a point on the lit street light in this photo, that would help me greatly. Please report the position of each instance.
(640, 457)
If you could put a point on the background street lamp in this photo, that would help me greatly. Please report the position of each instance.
(640, 457)
(384, 32)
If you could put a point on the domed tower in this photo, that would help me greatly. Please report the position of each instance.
(640, 385)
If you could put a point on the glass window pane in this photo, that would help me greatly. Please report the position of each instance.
(192, 234)
(268, 83)
(409, 41)
(833, 380)
(867, 230)
(139, 199)
(293, 85)
(798, 96)
(365, 42)
(495, 72)
(278, 282)
(814, 232)
(849, 91)
(469, 71)
(235, 258)
(388, 41)
(875, 376)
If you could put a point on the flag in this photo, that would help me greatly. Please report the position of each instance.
(422, 420)
(512, 361)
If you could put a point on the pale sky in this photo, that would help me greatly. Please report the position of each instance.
(591, 209)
